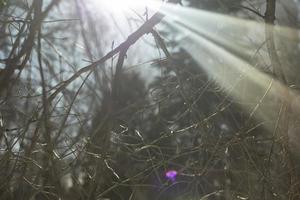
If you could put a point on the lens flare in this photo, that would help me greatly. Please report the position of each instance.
(171, 175)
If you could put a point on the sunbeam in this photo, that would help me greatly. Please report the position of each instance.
(218, 43)
(228, 32)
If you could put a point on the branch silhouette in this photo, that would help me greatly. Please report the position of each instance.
(123, 47)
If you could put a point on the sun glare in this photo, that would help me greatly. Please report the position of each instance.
(125, 5)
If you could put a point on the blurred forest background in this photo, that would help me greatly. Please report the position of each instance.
(100, 102)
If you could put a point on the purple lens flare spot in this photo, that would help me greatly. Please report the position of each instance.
(171, 175)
